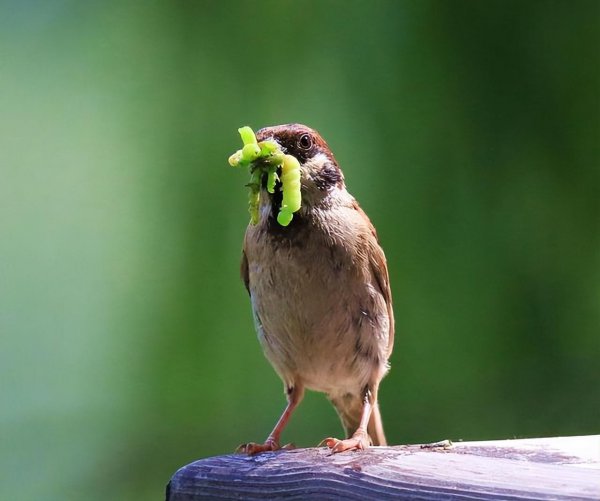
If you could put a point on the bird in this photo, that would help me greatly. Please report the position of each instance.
(320, 295)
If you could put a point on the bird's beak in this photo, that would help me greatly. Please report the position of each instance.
(271, 138)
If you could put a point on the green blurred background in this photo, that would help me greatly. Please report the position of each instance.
(469, 132)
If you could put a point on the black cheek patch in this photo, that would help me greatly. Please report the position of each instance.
(328, 177)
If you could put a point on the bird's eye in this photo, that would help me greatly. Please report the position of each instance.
(305, 142)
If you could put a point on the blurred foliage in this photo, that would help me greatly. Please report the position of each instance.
(469, 131)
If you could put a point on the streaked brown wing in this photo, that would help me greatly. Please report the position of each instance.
(244, 271)
(379, 269)
(380, 273)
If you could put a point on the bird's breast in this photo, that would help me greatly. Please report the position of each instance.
(318, 316)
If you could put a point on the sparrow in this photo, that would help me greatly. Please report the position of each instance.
(320, 295)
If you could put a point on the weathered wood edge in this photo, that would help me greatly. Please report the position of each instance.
(548, 468)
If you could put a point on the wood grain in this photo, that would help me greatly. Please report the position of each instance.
(556, 468)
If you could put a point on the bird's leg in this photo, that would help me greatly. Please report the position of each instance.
(360, 438)
(294, 395)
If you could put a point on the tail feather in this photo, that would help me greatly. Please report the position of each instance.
(350, 411)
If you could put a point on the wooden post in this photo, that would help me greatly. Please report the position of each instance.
(566, 468)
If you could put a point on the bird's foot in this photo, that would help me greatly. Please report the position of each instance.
(359, 441)
(270, 444)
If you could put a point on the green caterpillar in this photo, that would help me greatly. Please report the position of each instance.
(292, 198)
(251, 150)
(272, 178)
(266, 158)
(254, 196)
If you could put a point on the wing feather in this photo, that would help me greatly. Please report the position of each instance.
(379, 271)
(244, 271)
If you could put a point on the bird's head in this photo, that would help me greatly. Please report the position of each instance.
(319, 171)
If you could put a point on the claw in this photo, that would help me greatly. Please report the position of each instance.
(359, 441)
(328, 442)
(252, 448)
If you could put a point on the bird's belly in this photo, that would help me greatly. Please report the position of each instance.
(323, 325)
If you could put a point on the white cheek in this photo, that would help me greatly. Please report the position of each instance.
(315, 164)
